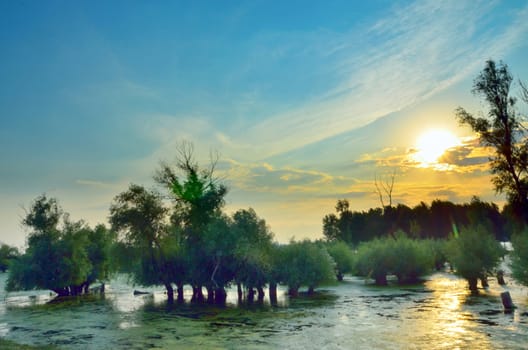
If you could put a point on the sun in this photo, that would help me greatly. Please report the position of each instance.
(432, 144)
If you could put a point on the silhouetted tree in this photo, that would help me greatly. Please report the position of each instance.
(502, 129)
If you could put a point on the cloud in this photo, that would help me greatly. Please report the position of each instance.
(398, 61)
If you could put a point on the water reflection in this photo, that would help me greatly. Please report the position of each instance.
(437, 314)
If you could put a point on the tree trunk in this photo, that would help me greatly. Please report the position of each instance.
(500, 278)
(273, 293)
(381, 280)
(484, 282)
(170, 292)
(339, 276)
(180, 292)
(311, 290)
(293, 292)
(250, 295)
(197, 294)
(210, 294)
(61, 292)
(261, 293)
(220, 296)
(239, 292)
(473, 285)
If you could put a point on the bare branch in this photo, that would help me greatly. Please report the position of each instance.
(380, 194)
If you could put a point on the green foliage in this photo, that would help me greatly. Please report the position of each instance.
(422, 221)
(141, 217)
(7, 254)
(474, 254)
(343, 257)
(411, 258)
(406, 258)
(305, 264)
(64, 259)
(374, 260)
(519, 257)
(437, 249)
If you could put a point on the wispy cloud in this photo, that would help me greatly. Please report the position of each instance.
(413, 53)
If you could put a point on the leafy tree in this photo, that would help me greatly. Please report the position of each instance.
(139, 214)
(198, 198)
(7, 254)
(305, 264)
(519, 256)
(374, 260)
(343, 257)
(252, 249)
(474, 255)
(502, 129)
(57, 257)
(411, 258)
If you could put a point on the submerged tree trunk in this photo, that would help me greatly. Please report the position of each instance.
(220, 296)
(273, 292)
(210, 294)
(473, 285)
(339, 276)
(260, 292)
(381, 280)
(500, 278)
(197, 294)
(61, 292)
(180, 292)
(239, 292)
(293, 291)
(250, 295)
(170, 292)
(484, 281)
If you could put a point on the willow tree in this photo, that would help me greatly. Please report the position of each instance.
(62, 255)
(502, 130)
(198, 198)
(141, 217)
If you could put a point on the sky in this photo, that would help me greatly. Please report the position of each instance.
(306, 102)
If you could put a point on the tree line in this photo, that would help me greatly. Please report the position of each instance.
(182, 236)
(437, 220)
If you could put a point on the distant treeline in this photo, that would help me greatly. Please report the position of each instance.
(438, 220)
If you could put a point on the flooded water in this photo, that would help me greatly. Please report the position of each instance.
(437, 314)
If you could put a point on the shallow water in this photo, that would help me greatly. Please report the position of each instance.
(437, 314)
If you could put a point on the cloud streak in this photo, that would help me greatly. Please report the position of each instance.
(423, 48)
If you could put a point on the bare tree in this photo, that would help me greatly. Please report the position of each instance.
(384, 188)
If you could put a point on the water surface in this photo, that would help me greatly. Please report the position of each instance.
(436, 314)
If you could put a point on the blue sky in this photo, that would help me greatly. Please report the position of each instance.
(307, 102)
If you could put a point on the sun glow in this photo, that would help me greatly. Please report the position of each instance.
(433, 144)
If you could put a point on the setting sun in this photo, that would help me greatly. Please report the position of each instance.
(432, 144)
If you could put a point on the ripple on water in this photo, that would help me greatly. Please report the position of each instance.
(438, 314)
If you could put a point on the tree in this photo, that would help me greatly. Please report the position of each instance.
(198, 198)
(305, 264)
(343, 257)
(139, 214)
(7, 254)
(474, 254)
(253, 248)
(519, 257)
(58, 257)
(502, 130)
